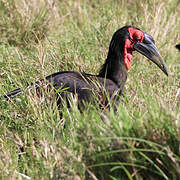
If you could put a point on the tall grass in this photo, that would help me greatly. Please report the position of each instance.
(140, 141)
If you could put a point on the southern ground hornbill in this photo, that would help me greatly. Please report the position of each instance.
(113, 73)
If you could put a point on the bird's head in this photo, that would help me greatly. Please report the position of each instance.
(129, 39)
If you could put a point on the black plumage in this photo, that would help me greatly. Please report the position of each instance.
(178, 46)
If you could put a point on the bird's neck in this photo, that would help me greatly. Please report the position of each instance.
(114, 69)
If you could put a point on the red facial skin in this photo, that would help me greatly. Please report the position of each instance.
(136, 36)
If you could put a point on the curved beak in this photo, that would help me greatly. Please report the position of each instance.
(148, 49)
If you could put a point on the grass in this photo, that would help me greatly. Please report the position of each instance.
(141, 141)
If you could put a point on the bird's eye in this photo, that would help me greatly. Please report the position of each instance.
(136, 35)
(137, 38)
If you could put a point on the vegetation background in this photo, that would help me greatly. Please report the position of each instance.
(141, 141)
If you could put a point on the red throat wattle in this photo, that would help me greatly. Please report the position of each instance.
(135, 36)
(128, 49)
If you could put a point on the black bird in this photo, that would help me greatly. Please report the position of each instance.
(113, 73)
(178, 46)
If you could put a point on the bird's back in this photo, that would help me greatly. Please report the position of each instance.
(83, 85)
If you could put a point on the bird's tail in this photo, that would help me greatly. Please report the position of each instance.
(18, 91)
(13, 93)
